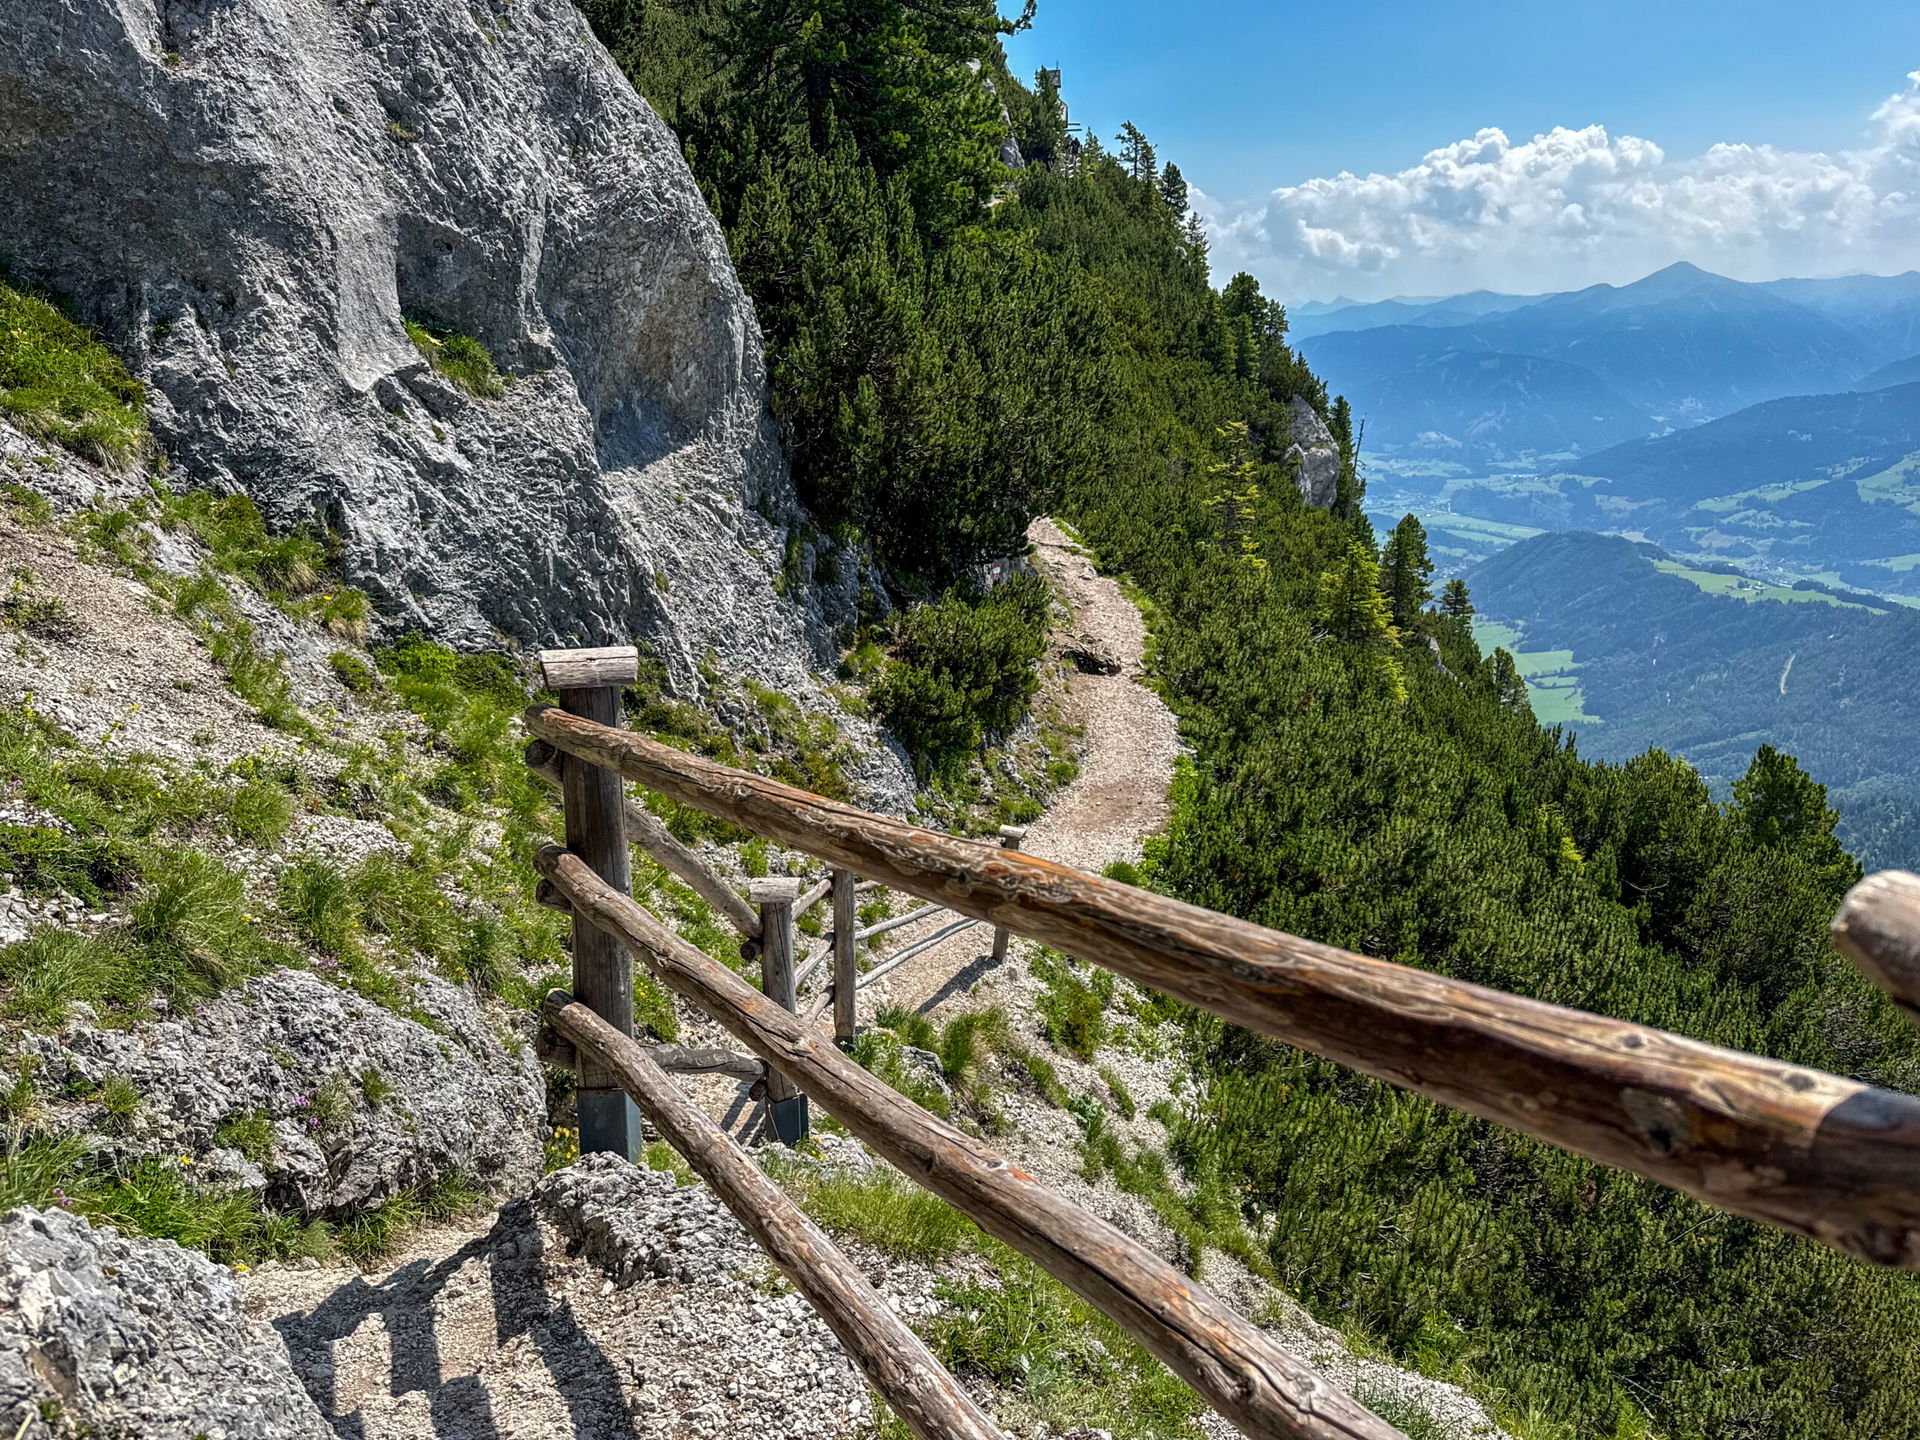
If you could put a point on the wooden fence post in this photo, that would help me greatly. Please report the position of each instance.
(786, 1105)
(846, 979)
(588, 683)
(1011, 837)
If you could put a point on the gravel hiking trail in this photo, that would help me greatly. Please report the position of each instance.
(493, 1328)
(483, 1330)
(1129, 741)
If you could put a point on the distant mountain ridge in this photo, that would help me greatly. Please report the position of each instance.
(1673, 349)
(1809, 484)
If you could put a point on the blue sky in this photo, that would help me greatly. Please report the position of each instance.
(1252, 99)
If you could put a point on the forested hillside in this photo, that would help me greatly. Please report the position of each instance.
(1708, 665)
(956, 345)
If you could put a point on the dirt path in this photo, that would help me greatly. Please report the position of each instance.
(1128, 745)
(489, 1330)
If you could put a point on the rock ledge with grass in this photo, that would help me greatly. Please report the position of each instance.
(317, 1096)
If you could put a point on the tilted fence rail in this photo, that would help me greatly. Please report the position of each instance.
(1822, 1156)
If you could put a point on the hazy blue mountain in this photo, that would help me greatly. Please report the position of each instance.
(1661, 661)
(1678, 347)
(1809, 484)
(1882, 308)
(1421, 393)
(1900, 372)
(1307, 321)
(1792, 441)
(1687, 344)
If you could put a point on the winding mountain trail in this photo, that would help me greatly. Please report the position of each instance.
(1129, 741)
(498, 1327)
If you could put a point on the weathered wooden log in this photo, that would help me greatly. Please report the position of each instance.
(594, 797)
(607, 668)
(551, 1048)
(1235, 1365)
(1878, 929)
(1012, 837)
(846, 978)
(1789, 1146)
(912, 917)
(774, 897)
(705, 1060)
(895, 1361)
(812, 897)
(894, 962)
(645, 829)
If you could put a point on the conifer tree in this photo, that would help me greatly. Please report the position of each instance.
(1136, 153)
(1351, 610)
(1455, 602)
(1508, 686)
(1781, 807)
(1173, 190)
(1405, 569)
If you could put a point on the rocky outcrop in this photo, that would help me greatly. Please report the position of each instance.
(639, 1224)
(105, 1335)
(1314, 455)
(249, 197)
(362, 1103)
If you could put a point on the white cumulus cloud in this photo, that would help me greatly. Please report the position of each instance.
(1572, 206)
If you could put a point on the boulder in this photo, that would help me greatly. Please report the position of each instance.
(1090, 655)
(363, 1102)
(638, 1224)
(1314, 455)
(102, 1334)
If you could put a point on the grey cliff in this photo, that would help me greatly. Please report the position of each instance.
(1315, 455)
(118, 1336)
(249, 195)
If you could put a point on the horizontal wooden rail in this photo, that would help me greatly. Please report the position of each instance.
(893, 1358)
(645, 830)
(912, 917)
(812, 897)
(1809, 1152)
(1878, 928)
(1235, 1365)
(919, 947)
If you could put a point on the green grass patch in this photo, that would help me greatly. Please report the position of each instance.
(60, 384)
(461, 358)
(1742, 587)
(1069, 1364)
(878, 1207)
(1073, 1005)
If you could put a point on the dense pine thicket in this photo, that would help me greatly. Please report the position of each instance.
(954, 346)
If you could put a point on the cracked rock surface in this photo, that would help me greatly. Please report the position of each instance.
(134, 1337)
(249, 197)
(446, 1094)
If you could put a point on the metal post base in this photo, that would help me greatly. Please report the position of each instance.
(609, 1121)
(789, 1118)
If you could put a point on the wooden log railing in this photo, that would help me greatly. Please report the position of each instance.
(1789, 1146)
(894, 1359)
(1233, 1363)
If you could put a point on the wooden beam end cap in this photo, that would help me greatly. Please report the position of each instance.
(773, 890)
(595, 669)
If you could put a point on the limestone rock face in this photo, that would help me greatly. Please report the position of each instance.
(363, 1103)
(248, 195)
(134, 1337)
(1315, 455)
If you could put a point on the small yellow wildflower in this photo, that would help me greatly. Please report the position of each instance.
(186, 1160)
